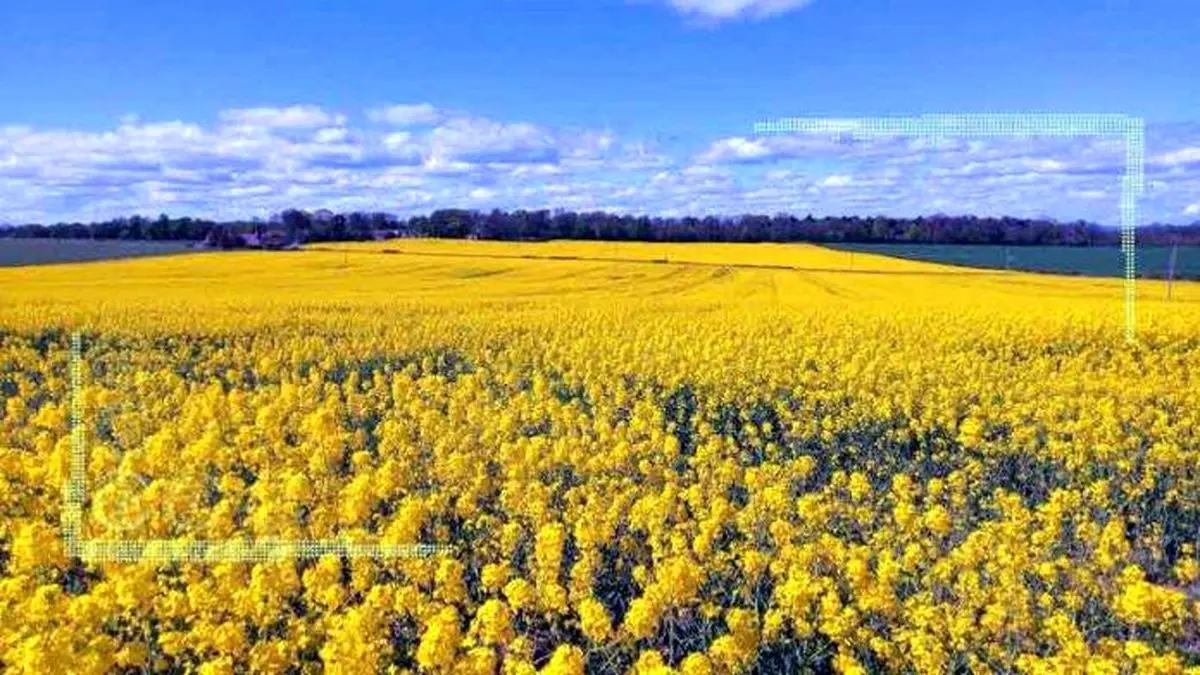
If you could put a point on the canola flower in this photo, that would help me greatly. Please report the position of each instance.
(748, 458)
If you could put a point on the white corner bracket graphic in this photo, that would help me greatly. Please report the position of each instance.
(1131, 129)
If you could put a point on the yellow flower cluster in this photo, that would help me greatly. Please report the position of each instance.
(748, 459)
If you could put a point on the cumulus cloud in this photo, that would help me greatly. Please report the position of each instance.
(774, 148)
(737, 149)
(1181, 157)
(587, 144)
(441, 166)
(407, 114)
(720, 10)
(330, 135)
(290, 117)
(583, 151)
(694, 181)
(260, 160)
(536, 171)
(837, 181)
(478, 140)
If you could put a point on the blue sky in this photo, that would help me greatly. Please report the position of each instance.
(241, 108)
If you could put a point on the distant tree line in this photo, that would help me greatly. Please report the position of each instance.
(324, 225)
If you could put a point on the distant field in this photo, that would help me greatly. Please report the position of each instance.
(765, 255)
(1100, 261)
(17, 252)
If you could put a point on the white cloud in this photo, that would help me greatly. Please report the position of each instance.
(407, 115)
(479, 140)
(736, 150)
(330, 135)
(700, 171)
(291, 117)
(719, 10)
(602, 151)
(252, 163)
(692, 181)
(587, 144)
(1179, 157)
(773, 148)
(536, 171)
(1046, 165)
(401, 177)
(248, 191)
(441, 166)
(399, 140)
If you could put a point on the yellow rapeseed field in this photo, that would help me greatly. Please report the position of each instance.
(643, 458)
